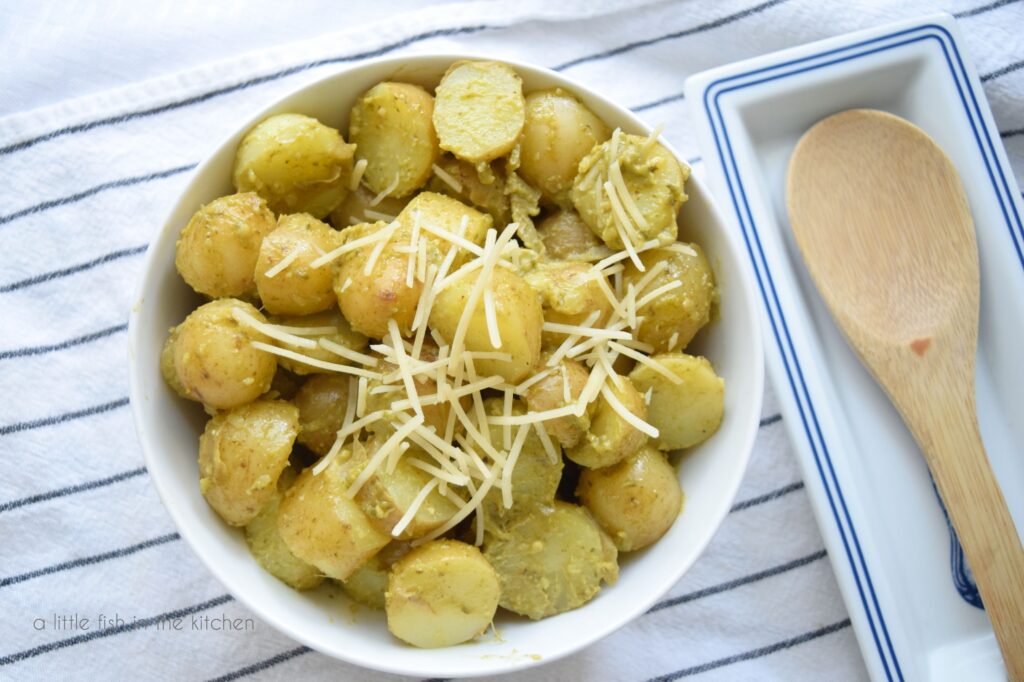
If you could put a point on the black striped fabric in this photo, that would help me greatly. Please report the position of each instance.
(87, 183)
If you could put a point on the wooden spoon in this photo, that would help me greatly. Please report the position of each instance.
(884, 226)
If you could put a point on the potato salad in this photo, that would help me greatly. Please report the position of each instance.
(443, 350)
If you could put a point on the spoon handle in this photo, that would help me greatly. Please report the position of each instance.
(947, 431)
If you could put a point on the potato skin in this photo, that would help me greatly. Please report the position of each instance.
(344, 336)
(559, 132)
(655, 181)
(685, 414)
(296, 163)
(566, 237)
(519, 318)
(611, 438)
(549, 394)
(682, 311)
(216, 252)
(299, 289)
(369, 301)
(370, 581)
(214, 360)
(321, 402)
(325, 528)
(551, 560)
(242, 452)
(635, 501)
(167, 369)
(446, 213)
(440, 594)
(479, 111)
(569, 294)
(269, 549)
(391, 125)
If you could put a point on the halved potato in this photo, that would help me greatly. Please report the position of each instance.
(325, 528)
(672, 319)
(635, 501)
(269, 549)
(441, 593)
(242, 452)
(550, 560)
(559, 132)
(296, 163)
(687, 413)
(611, 438)
(517, 314)
(392, 128)
(388, 495)
(480, 110)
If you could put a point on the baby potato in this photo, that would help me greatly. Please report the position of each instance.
(469, 188)
(392, 128)
(387, 495)
(672, 319)
(435, 416)
(559, 132)
(325, 528)
(284, 386)
(479, 111)
(217, 251)
(242, 452)
(635, 501)
(268, 548)
(370, 581)
(296, 163)
(298, 289)
(550, 560)
(653, 178)
(446, 213)
(167, 370)
(322, 401)
(519, 320)
(352, 211)
(369, 301)
(569, 294)
(567, 237)
(441, 593)
(214, 359)
(611, 438)
(688, 413)
(549, 394)
(535, 475)
(342, 334)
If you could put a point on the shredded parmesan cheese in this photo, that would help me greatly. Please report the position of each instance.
(357, 174)
(387, 191)
(285, 262)
(313, 362)
(623, 411)
(492, 319)
(447, 178)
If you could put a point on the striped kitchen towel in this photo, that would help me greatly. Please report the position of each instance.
(91, 563)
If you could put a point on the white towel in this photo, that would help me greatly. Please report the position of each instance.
(89, 177)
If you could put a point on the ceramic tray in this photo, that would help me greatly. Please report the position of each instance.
(911, 598)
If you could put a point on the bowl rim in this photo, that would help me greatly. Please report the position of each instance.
(151, 455)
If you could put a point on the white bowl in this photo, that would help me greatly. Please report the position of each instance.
(169, 427)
